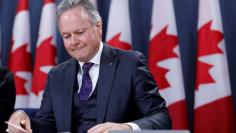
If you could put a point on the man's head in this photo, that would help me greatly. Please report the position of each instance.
(81, 28)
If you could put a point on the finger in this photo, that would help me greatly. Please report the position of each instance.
(21, 119)
(15, 128)
(112, 126)
(27, 125)
(93, 128)
(115, 126)
(100, 128)
(22, 123)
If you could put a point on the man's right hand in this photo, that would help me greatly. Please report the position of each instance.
(20, 119)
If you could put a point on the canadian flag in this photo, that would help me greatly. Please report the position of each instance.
(20, 55)
(45, 53)
(213, 102)
(165, 63)
(118, 31)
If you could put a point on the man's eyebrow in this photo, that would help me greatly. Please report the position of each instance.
(63, 33)
(81, 28)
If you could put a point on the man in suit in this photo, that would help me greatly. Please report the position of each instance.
(100, 89)
(7, 96)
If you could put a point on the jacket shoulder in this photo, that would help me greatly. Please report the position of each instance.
(64, 65)
(129, 55)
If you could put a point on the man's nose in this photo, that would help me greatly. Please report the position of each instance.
(74, 39)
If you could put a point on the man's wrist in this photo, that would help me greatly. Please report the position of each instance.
(133, 126)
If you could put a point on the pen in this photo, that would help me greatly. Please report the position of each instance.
(15, 126)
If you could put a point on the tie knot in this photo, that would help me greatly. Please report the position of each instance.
(87, 66)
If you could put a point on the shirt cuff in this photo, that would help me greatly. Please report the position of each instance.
(134, 126)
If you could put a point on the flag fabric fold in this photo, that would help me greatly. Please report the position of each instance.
(45, 53)
(164, 61)
(213, 108)
(119, 29)
(20, 55)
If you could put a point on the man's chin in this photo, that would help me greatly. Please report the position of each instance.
(81, 59)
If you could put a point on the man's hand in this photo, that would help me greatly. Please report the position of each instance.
(108, 126)
(19, 119)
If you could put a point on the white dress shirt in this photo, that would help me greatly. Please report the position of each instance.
(94, 73)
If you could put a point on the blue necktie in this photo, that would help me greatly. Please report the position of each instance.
(86, 87)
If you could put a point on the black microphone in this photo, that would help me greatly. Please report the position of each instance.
(8, 77)
(7, 96)
(5, 76)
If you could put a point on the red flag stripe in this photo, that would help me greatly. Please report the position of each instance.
(22, 5)
(215, 117)
(178, 111)
(48, 1)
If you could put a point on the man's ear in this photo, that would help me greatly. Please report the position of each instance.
(99, 28)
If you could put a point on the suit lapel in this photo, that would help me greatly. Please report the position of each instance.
(68, 84)
(107, 71)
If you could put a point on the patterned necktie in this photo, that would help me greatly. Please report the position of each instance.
(86, 87)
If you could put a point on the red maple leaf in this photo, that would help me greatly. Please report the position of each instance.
(116, 42)
(161, 48)
(203, 76)
(208, 41)
(20, 61)
(45, 55)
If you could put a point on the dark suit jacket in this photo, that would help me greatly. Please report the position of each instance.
(126, 93)
(7, 97)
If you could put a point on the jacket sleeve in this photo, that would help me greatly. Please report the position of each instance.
(44, 121)
(150, 104)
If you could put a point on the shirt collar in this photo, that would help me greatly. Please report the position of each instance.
(96, 58)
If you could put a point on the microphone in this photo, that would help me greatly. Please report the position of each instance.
(6, 76)
(7, 96)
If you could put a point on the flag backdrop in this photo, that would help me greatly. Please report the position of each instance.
(118, 30)
(213, 101)
(138, 20)
(165, 63)
(20, 55)
(45, 54)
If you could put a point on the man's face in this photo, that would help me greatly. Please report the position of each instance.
(81, 38)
